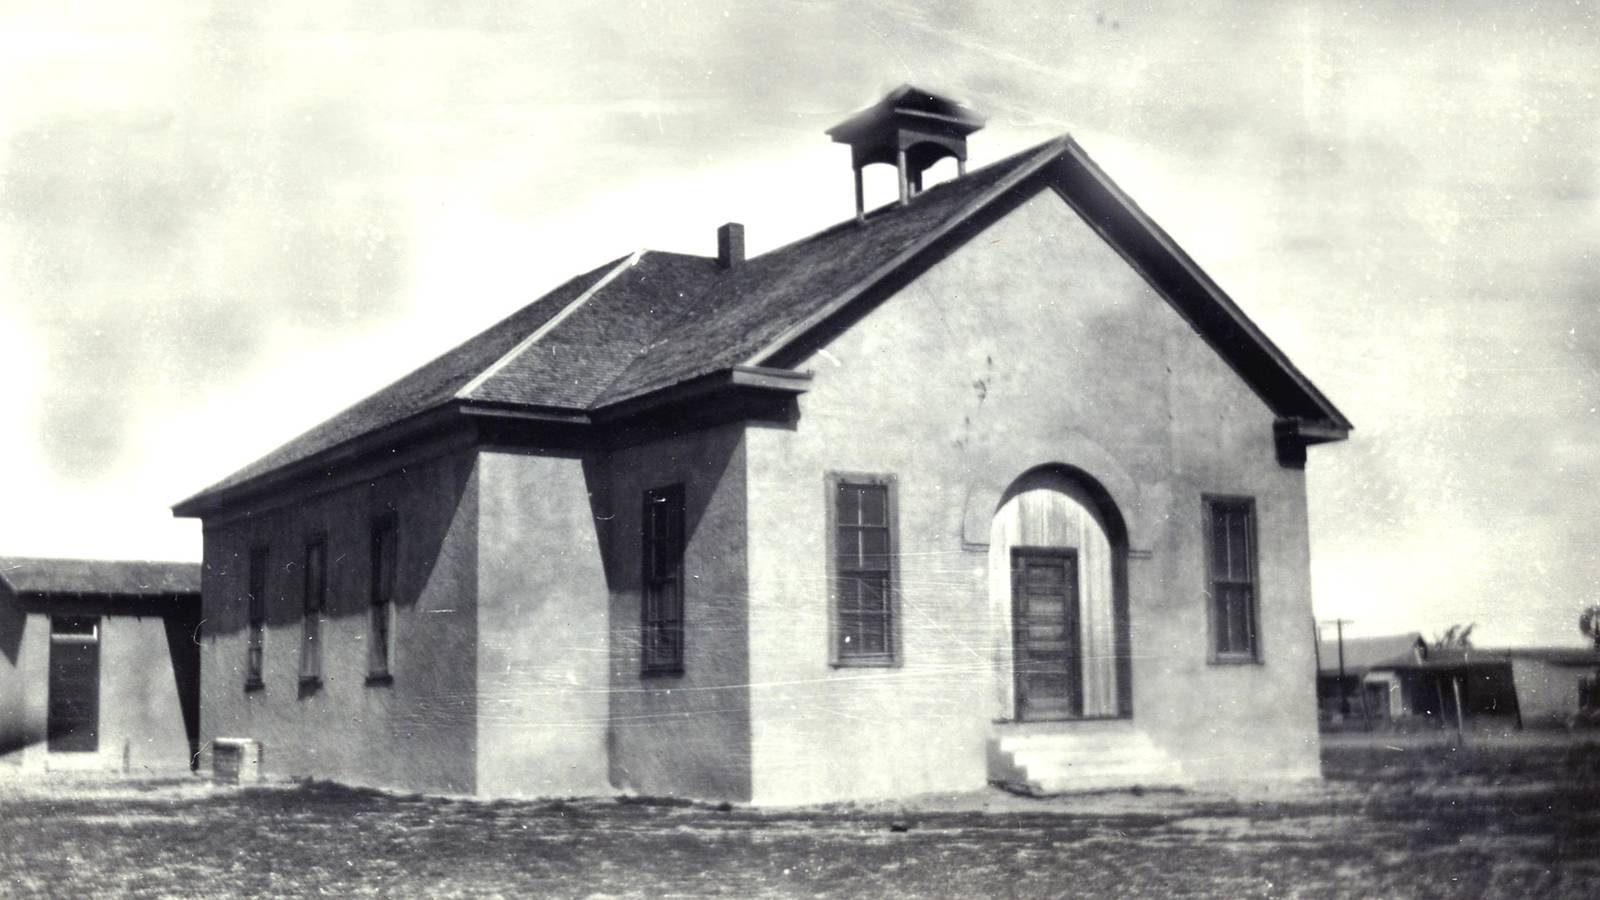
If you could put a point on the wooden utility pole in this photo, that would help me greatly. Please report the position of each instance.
(1344, 693)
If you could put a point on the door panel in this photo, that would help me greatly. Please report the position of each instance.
(1045, 652)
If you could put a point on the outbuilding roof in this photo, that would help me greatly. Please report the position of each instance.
(98, 577)
(636, 328)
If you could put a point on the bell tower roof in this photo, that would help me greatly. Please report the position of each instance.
(910, 129)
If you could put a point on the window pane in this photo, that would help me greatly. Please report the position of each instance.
(1239, 544)
(316, 580)
(661, 590)
(849, 504)
(875, 549)
(874, 505)
(1234, 626)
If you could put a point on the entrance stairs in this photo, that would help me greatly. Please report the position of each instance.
(1045, 758)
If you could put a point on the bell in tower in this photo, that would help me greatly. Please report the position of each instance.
(911, 129)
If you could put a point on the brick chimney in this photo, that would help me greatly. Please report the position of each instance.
(730, 245)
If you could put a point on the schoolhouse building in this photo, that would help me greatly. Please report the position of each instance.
(990, 484)
(99, 665)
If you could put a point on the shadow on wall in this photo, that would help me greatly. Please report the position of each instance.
(12, 620)
(183, 646)
(14, 733)
(422, 533)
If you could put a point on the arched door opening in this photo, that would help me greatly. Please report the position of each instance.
(1057, 582)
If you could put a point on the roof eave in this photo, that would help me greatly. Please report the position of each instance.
(215, 499)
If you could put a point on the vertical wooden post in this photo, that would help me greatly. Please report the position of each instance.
(961, 169)
(1455, 687)
(861, 198)
(905, 185)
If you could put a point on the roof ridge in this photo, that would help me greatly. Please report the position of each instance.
(466, 391)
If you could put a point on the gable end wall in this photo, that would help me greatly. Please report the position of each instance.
(1034, 343)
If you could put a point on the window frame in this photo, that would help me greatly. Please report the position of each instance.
(255, 663)
(311, 638)
(893, 656)
(1210, 505)
(651, 622)
(380, 606)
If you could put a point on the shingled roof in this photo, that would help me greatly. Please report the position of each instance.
(651, 321)
(98, 577)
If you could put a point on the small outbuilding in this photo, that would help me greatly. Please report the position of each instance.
(99, 664)
(1525, 686)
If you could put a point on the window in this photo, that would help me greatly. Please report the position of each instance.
(316, 596)
(382, 609)
(1231, 572)
(256, 629)
(863, 602)
(661, 632)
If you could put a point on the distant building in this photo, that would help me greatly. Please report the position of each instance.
(1528, 686)
(99, 664)
(1341, 671)
(989, 484)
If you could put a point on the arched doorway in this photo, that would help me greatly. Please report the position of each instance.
(1057, 584)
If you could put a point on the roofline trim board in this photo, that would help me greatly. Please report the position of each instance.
(1215, 291)
(799, 329)
(538, 334)
(346, 451)
(1331, 425)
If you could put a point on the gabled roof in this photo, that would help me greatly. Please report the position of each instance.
(609, 340)
(96, 577)
(1363, 653)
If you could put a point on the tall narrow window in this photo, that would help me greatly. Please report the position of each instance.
(863, 576)
(256, 626)
(316, 597)
(382, 610)
(1231, 564)
(661, 634)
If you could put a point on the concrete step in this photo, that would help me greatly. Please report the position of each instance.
(1059, 759)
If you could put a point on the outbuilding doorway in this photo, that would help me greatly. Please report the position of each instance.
(73, 714)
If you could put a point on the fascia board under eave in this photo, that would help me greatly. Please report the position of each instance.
(345, 454)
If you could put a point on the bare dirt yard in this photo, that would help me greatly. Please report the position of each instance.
(1514, 818)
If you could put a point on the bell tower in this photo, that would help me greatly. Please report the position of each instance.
(910, 129)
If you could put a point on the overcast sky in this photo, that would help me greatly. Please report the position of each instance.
(217, 227)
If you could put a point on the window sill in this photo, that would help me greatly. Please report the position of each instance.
(662, 672)
(1234, 661)
(251, 687)
(309, 686)
(382, 680)
(866, 662)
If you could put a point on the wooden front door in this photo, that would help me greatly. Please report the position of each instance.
(73, 716)
(1044, 616)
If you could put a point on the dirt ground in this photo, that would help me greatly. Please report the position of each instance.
(1518, 818)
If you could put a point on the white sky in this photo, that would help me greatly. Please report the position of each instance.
(218, 226)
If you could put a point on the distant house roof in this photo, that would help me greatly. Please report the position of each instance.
(1456, 658)
(1363, 653)
(639, 327)
(98, 577)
